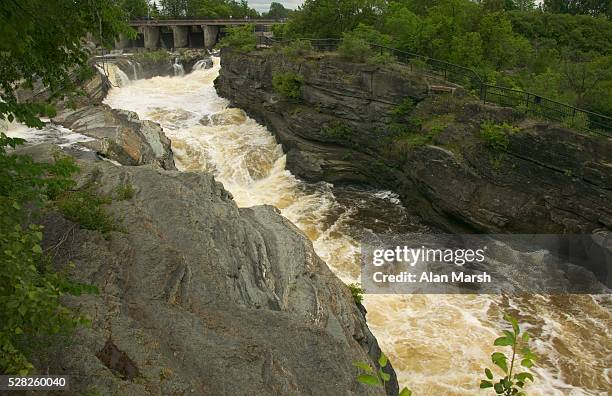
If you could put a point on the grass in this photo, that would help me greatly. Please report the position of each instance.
(356, 292)
(125, 192)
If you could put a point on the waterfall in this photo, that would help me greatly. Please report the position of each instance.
(115, 75)
(177, 67)
(134, 69)
(202, 64)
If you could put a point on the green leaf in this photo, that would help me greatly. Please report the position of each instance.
(385, 377)
(37, 249)
(499, 389)
(523, 376)
(485, 384)
(364, 366)
(512, 320)
(405, 392)
(368, 379)
(382, 360)
(503, 341)
(500, 360)
(18, 330)
(527, 363)
(488, 373)
(525, 337)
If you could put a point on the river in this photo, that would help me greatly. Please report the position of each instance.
(438, 344)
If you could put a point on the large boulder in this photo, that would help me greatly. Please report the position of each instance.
(120, 135)
(198, 296)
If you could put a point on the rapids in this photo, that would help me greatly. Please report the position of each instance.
(438, 344)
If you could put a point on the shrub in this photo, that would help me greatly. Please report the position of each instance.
(125, 192)
(30, 288)
(297, 48)
(511, 383)
(157, 56)
(85, 208)
(496, 135)
(379, 378)
(579, 121)
(356, 292)
(288, 84)
(338, 130)
(354, 48)
(239, 38)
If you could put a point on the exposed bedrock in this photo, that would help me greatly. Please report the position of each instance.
(198, 296)
(343, 128)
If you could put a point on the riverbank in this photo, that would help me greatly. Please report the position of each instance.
(463, 165)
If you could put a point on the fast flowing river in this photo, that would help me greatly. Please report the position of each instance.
(438, 344)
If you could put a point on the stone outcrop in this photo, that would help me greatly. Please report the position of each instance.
(120, 135)
(198, 296)
(353, 123)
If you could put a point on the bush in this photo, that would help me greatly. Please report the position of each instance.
(356, 292)
(354, 48)
(239, 38)
(125, 192)
(580, 122)
(338, 130)
(511, 383)
(85, 208)
(288, 84)
(30, 289)
(158, 56)
(297, 48)
(496, 135)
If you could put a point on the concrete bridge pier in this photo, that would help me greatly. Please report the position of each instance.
(211, 33)
(151, 36)
(181, 36)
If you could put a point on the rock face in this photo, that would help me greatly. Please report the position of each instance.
(381, 125)
(120, 135)
(201, 297)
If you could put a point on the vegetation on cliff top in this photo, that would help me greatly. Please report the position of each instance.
(559, 50)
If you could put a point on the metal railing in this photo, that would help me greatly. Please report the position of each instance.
(468, 78)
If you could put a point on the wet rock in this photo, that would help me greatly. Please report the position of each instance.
(120, 135)
(198, 296)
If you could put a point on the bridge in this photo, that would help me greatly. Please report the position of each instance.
(187, 33)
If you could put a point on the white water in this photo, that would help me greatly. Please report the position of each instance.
(438, 344)
(50, 133)
(177, 67)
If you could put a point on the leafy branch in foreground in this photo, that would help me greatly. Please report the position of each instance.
(373, 377)
(511, 384)
(30, 288)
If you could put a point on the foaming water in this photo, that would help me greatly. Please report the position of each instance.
(439, 344)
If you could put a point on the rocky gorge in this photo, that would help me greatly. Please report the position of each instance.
(387, 126)
(196, 295)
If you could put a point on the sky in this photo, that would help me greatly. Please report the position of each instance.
(264, 5)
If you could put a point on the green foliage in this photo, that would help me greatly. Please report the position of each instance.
(157, 56)
(239, 38)
(42, 41)
(277, 11)
(297, 48)
(563, 57)
(579, 121)
(354, 48)
(511, 383)
(288, 84)
(125, 192)
(206, 9)
(84, 207)
(379, 378)
(356, 292)
(30, 289)
(496, 135)
(339, 130)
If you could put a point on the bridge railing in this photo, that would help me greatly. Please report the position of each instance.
(468, 78)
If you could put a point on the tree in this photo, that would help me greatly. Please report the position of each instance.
(135, 8)
(41, 42)
(277, 11)
(587, 7)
